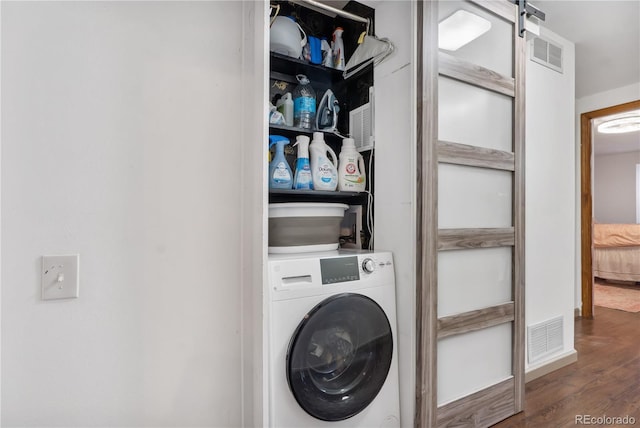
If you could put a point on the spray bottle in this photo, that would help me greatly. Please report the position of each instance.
(323, 170)
(303, 179)
(279, 170)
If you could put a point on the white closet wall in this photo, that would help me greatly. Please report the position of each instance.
(395, 177)
(550, 192)
(120, 141)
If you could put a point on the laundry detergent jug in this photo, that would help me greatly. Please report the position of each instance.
(351, 172)
(286, 37)
(323, 170)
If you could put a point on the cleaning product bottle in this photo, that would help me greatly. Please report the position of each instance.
(323, 170)
(285, 106)
(304, 103)
(302, 178)
(280, 176)
(327, 53)
(338, 49)
(351, 172)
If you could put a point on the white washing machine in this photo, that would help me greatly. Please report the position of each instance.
(330, 332)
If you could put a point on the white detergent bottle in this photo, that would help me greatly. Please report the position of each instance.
(351, 172)
(285, 106)
(338, 49)
(323, 170)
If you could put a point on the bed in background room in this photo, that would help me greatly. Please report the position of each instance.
(616, 251)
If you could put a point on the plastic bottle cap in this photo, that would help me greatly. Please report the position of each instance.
(348, 142)
(318, 136)
(302, 79)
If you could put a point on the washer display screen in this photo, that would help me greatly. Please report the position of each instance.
(340, 269)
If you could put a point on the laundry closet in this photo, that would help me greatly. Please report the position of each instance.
(376, 107)
(306, 42)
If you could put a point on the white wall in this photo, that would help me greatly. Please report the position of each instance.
(587, 104)
(255, 53)
(0, 215)
(119, 140)
(614, 187)
(607, 99)
(395, 178)
(550, 193)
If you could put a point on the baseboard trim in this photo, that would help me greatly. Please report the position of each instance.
(551, 366)
(577, 312)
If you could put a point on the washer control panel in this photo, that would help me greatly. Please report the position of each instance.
(295, 275)
(353, 268)
(339, 269)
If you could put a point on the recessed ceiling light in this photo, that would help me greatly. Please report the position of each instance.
(461, 28)
(620, 125)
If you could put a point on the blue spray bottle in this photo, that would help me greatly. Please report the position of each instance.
(280, 176)
(303, 179)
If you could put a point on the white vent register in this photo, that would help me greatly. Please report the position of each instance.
(361, 124)
(547, 53)
(544, 338)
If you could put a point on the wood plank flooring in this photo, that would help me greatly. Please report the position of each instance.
(605, 381)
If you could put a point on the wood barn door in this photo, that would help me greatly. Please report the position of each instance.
(470, 368)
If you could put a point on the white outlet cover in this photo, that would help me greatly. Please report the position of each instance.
(60, 277)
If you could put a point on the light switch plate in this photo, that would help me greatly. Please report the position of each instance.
(60, 277)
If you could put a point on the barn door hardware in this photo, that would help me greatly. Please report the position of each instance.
(526, 10)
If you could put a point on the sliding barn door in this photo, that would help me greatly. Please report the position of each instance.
(471, 284)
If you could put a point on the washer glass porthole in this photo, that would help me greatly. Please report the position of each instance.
(339, 356)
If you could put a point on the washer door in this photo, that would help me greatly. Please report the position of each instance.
(339, 356)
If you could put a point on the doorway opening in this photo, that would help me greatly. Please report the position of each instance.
(586, 196)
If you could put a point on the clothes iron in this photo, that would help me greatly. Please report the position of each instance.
(327, 116)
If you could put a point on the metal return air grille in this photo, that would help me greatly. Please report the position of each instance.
(546, 53)
(360, 126)
(544, 338)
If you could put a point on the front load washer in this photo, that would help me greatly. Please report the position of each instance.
(331, 343)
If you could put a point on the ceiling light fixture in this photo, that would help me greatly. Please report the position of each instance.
(459, 29)
(620, 125)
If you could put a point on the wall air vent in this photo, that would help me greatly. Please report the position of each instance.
(546, 53)
(544, 338)
(361, 124)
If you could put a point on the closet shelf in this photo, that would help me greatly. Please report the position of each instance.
(316, 73)
(290, 195)
(291, 132)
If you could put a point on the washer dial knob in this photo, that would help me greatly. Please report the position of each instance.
(368, 265)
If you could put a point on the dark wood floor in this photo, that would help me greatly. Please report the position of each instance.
(604, 381)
